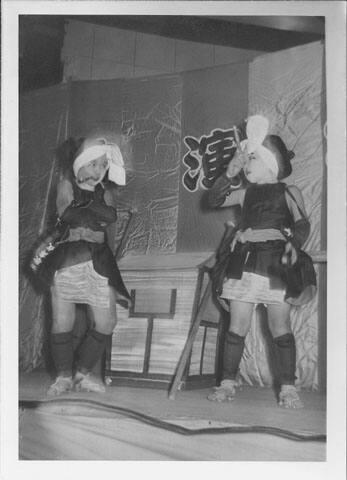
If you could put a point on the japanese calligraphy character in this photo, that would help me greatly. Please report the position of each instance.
(207, 158)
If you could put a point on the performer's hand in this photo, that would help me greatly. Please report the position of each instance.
(290, 255)
(236, 164)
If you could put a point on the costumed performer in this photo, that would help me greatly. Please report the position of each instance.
(79, 266)
(263, 262)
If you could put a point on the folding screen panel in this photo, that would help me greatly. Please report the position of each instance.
(214, 99)
(145, 117)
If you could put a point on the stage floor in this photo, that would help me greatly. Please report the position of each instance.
(75, 428)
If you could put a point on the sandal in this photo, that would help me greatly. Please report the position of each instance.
(289, 398)
(224, 393)
(88, 383)
(61, 385)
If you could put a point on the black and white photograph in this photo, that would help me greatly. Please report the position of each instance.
(173, 207)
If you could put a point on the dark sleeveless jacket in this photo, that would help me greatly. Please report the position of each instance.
(265, 207)
(87, 210)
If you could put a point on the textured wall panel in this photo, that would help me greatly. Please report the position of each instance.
(145, 117)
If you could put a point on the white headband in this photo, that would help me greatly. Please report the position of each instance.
(268, 158)
(116, 171)
(256, 129)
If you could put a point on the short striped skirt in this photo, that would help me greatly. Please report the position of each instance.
(252, 288)
(82, 284)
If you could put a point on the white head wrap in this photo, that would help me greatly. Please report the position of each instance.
(116, 171)
(256, 129)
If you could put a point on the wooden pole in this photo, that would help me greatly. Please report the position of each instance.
(189, 343)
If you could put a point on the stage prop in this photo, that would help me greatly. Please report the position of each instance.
(148, 340)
